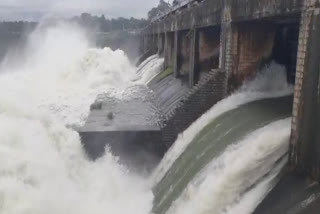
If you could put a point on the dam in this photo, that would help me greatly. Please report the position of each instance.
(210, 50)
(236, 38)
(219, 114)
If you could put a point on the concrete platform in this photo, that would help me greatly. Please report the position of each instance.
(132, 110)
(129, 127)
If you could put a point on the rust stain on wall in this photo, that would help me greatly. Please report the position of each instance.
(254, 47)
(209, 47)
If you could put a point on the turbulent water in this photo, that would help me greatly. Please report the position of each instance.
(60, 72)
(43, 168)
(209, 139)
(271, 82)
(150, 68)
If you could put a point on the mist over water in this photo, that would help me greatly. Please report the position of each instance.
(44, 169)
(43, 166)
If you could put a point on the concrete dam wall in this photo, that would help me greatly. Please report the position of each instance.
(239, 37)
(211, 49)
(221, 116)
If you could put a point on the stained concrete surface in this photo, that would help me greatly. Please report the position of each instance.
(129, 126)
(294, 194)
(168, 92)
(133, 111)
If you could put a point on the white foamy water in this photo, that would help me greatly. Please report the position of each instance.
(44, 170)
(43, 166)
(150, 68)
(251, 199)
(270, 82)
(60, 72)
(228, 177)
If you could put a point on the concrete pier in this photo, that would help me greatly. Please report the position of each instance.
(305, 141)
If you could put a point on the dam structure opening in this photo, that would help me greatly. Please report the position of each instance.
(217, 115)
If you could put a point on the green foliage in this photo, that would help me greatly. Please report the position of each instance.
(108, 25)
(162, 8)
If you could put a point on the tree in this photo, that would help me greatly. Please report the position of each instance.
(175, 3)
(102, 24)
(161, 9)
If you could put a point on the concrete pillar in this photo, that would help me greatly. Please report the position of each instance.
(305, 138)
(194, 58)
(175, 54)
(226, 42)
(154, 44)
(163, 38)
(166, 50)
(161, 44)
(224, 34)
(228, 46)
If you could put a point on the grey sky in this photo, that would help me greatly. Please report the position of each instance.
(36, 9)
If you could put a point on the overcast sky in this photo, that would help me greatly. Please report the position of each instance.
(34, 10)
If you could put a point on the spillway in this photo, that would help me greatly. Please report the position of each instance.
(225, 162)
(213, 140)
(149, 69)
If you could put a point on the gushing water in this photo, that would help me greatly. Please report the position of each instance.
(150, 68)
(43, 166)
(60, 72)
(223, 182)
(270, 82)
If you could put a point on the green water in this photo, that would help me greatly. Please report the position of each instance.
(229, 128)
